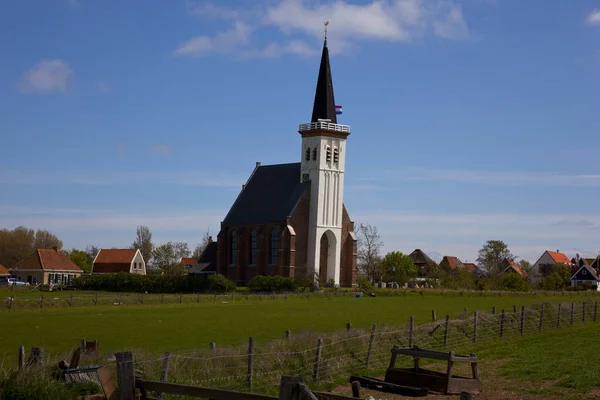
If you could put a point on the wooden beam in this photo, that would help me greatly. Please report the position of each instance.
(196, 391)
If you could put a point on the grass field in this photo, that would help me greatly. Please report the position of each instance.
(180, 327)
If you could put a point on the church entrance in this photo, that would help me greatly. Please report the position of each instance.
(327, 258)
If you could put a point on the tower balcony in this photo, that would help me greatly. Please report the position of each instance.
(324, 126)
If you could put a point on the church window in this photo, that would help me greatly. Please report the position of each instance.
(233, 248)
(328, 154)
(336, 155)
(274, 247)
(253, 248)
(315, 154)
(308, 154)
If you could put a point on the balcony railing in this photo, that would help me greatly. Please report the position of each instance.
(326, 126)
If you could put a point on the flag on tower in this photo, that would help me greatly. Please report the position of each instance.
(338, 110)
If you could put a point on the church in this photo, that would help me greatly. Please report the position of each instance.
(290, 219)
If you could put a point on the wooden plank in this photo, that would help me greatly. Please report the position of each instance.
(305, 392)
(125, 375)
(287, 388)
(196, 391)
(108, 384)
(435, 355)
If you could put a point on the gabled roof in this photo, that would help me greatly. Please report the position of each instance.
(3, 270)
(188, 260)
(47, 260)
(324, 105)
(588, 261)
(453, 262)
(419, 257)
(559, 258)
(207, 261)
(471, 266)
(515, 267)
(113, 260)
(270, 196)
(590, 270)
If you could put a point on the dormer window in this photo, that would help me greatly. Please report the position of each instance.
(336, 155)
(328, 154)
(315, 154)
(307, 154)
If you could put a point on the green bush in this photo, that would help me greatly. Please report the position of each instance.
(124, 282)
(364, 284)
(515, 282)
(38, 385)
(219, 283)
(262, 283)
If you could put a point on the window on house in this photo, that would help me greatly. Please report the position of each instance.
(233, 248)
(315, 154)
(253, 248)
(584, 272)
(274, 247)
(307, 154)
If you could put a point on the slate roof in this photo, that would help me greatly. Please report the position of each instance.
(113, 260)
(270, 195)
(324, 105)
(207, 261)
(3, 270)
(419, 257)
(48, 260)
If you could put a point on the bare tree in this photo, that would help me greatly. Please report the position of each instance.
(143, 242)
(369, 247)
(199, 249)
(46, 240)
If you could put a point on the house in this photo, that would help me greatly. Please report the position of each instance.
(547, 261)
(206, 265)
(471, 267)
(290, 219)
(586, 274)
(4, 271)
(451, 263)
(513, 268)
(46, 267)
(110, 261)
(422, 261)
(188, 262)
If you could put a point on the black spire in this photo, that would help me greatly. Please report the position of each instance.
(324, 107)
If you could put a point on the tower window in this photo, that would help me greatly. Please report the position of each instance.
(307, 154)
(233, 248)
(315, 154)
(274, 247)
(336, 155)
(253, 248)
(328, 154)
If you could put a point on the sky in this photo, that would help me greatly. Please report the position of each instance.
(471, 120)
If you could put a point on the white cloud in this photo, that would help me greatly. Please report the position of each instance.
(503, 178)
(47, 76)
(222, 42)
(593, 18)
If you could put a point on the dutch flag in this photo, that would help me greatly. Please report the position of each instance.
(338, 110)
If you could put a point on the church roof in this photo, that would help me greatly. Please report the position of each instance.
(324, 106)
(270, 195)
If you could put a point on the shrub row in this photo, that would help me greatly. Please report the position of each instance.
(261, 283)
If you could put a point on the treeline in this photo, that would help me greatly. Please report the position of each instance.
(18, 243)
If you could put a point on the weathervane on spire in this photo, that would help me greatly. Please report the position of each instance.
(326, 23)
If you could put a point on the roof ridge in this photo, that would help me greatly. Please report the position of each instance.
(40, 258)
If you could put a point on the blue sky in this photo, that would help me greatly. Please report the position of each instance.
(471, 120)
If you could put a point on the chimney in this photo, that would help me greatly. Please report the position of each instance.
(210, 239)
(577, 259)
(258, 164)
(557, 250)
(243, 186)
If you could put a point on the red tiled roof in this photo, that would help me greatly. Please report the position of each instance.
(471, 266)
(559, 258)
(48, 260)
(453, 262)
(113, 260)
(589, 261)
(188, 260)
(516, 267)
(3, 270)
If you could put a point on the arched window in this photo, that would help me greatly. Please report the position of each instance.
(307, 154)
(336, 155)
(233, 248)
(328, 154)
(253, 248)
(315, 154)
(274, 247)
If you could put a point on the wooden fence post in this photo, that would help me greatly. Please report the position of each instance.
(411, 332)
(522, 320)
(197, 297)
(558, 316)
(446, 326)
(126, 375)
(595, 310)
(542, 316)
(494, 310)
(213, 347)
(502, 319)
(572, 313)
(142, 298)
(475, 327)
(288, 387)
(164, 373)
(162, 298)
(356, 389)
(36, 357)
(21, 357)
(583, 311)
(70, 300)
(348, 326)
(288, 334)
(41, 302)
(250, 361)
(10, 303)
(514, 308)
(371, 341)
(95, 299)
(433, 316)
(317, 361)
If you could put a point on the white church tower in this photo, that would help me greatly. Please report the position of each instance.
(323, 160)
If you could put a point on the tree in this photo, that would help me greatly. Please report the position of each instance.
(82, 259)
(46, 240)
(491, 259)
(168, 254)
(398, 267)
(515, 282)
(558, 279)
(369, 246)
(143, 242)
(199, 249)
(526, 267)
